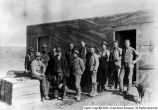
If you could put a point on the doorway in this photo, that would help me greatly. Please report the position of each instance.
(44, 40)
(121, 36)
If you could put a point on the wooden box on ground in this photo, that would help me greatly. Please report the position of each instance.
(18, 91)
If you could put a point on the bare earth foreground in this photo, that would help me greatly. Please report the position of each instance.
(13, 59)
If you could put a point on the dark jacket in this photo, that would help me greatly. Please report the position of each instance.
(83, 53)
(51, 69)
(28, 60)
(69, 57)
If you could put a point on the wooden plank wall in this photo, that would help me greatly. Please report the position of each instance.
(92, 30)
(95, 30)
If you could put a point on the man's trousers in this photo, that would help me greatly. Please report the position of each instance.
(127, 68)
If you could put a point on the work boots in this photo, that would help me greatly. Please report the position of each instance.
(78, 97)
(94, 90)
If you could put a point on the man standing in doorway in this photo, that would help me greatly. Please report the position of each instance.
(93, 68)
(45, 57)
(104, 67)
(115, 58)
(128, 64)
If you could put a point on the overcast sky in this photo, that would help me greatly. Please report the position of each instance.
(15, 15)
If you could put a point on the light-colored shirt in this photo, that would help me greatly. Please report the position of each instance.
(37, 65)
(128, 54)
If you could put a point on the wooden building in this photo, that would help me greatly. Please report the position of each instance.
(136, 26)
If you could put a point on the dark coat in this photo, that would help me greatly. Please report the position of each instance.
(83, 54)
(28, 60)
(69, 57)
(51, 70)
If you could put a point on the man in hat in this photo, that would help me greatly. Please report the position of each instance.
(28, 59)
(69, 58)
(45, 57)
(57, 69)
(104, 67)
(127, 66)
(38, 70)
(93, 65)
(78, 69)
(115, 58)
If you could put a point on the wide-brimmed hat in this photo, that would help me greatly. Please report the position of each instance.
(38, 54)
(76, 51)
(44, 46)
(104, 43)
(58, 49)
(31, 49)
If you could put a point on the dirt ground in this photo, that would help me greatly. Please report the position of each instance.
(105, 98)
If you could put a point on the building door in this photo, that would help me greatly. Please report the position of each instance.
(131, 35)
(44, 40)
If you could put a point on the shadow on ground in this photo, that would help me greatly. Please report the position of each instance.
(128, 97)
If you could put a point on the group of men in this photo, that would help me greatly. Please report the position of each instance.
(82, 67)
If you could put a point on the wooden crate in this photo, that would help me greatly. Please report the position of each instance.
(18, 91)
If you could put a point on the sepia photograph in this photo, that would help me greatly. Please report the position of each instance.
(78, 54)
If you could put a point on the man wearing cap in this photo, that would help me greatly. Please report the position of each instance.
(127, 66)
(69, 58)
(104, 67)
(57, 69)
(28, 59)
(78, 69)
(38, 70)
(93, 65)
(45, 57)
(115, 58)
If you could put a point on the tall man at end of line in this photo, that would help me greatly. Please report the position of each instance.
(127, 66)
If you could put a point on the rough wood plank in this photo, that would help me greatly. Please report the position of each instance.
(26, 99)
(23, 91)
(24, 83)
(5, 91)
(11, 89)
